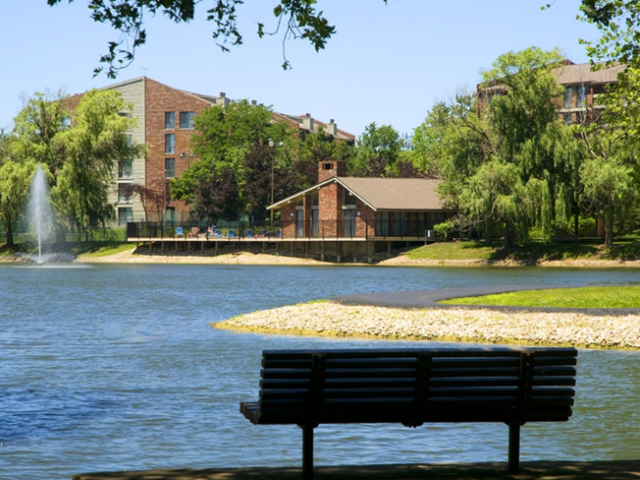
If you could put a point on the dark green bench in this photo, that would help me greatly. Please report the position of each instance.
(414, 386)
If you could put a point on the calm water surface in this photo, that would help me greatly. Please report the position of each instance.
(115, 368)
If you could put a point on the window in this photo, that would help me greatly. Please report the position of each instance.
(567, 119)
(186, 119)
(170, 215)
(125, 114)
(582, 94)
(349, 198)
(66, 123)
(568, 97)
(129, 140)
(125, 214)
(169, 120)
(124, 192)
(170, 143)
(125, 168)
(169, 167)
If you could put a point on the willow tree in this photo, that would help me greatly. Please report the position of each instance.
(15, 182)
(610, 174)
(498, 154)
(80, 148)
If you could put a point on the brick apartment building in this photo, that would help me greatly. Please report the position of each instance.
(165, 118)
(348, 207)
(582, 87)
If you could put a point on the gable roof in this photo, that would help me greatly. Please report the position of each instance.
(582, 73)
(407, 194)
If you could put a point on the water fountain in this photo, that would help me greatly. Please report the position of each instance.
(40, 214)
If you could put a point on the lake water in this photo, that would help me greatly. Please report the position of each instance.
(114, 367)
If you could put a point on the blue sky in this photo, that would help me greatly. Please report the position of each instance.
(386, 64)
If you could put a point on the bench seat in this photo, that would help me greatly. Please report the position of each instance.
(414, 386)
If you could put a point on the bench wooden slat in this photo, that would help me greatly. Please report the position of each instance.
(413, 386)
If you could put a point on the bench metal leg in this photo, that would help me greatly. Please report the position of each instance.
(307, 452)
(514, 449)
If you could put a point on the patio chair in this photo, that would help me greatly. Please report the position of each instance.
(179, 232)
(249, 233)
(231, 234)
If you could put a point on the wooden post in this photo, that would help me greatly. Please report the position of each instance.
(307, 452)
(322, 254)
(514, 449)
(339, 251)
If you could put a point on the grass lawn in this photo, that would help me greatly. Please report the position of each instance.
(586, 297)
(625, 248)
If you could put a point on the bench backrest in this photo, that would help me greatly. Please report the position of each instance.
(412, 386)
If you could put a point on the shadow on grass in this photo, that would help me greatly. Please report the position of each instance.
(535, 252)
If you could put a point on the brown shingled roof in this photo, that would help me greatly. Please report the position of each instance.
(582, 73)
(395, 193)
(407, 194)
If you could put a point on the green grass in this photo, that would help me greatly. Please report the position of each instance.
(585, 297)
(625, 248)
(454, 251)
(101, 249)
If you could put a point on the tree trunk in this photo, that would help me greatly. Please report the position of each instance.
(576, 225)
(608, 230)
(509, 241)
(9, 234)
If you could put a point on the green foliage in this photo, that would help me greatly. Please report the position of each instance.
(300, 19)
(501, 162)
(619, 23)
(444, 229)
(93, 146)
(586, 297)
(15, 180)
(80, 155)
(609, 174)
(233, 143)
(377, 150)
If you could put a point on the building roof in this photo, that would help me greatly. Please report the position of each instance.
(582, 73)
(294, 120)
(407, 194)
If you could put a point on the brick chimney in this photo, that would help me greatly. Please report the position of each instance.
(307, 122)
(222, 100)
(332, 128)
(331, 168)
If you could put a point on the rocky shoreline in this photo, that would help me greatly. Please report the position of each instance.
(446, 324)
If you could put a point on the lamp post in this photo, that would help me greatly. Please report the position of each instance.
(273, 157)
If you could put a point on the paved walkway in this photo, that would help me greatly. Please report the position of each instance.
(429, 299)
(618, 470)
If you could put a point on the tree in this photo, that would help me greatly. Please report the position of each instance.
(154, 198)
(299, 19)
(619, 23)
(499, 161)
(377, 150)
(217, 196)
(610, 175)
(225, 140)
(15, 181)
(80, 150)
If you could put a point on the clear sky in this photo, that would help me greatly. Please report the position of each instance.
(386, 64)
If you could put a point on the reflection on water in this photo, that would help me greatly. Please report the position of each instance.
(115, 367)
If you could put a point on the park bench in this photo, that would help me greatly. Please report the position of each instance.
(412, 386)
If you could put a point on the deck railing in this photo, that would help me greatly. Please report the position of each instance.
(356, 228)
